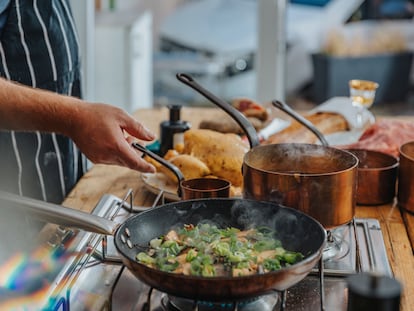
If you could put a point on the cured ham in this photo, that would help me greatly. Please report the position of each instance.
(385, 136)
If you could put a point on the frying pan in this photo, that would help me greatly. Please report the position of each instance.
(297, 232)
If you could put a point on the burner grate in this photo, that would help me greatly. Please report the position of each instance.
(264, 303)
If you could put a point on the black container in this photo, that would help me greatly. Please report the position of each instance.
(372, 292)
(172, 131)
(391, 71)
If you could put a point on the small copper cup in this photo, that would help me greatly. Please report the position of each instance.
(377, 177)
(199, 188)
(405, 193)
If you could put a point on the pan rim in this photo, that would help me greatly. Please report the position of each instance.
(351, 167)
(316, 255)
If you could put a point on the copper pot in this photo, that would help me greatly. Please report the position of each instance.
(406, 177)
(318, 180)
(377, 176)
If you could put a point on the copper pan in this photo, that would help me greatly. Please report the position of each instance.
(318, 180)
(188, 189)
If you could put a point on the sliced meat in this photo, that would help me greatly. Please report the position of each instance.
(250, 108)
(385, 136)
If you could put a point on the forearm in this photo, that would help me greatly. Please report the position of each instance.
(103, 132)
(26, 109)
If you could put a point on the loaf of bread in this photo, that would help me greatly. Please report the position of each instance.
(325, 122)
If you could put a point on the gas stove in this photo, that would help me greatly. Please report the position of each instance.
(95, 278)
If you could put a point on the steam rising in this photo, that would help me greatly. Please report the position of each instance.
(285, 223)
(299, 159)
(291, 227)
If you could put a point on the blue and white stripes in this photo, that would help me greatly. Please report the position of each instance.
(39, 47)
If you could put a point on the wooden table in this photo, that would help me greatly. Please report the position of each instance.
(397, 226)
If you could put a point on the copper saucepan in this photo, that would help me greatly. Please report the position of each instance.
(196, 188)
(377, 176)
(318, 180)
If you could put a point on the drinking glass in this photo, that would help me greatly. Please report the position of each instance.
(362, 93)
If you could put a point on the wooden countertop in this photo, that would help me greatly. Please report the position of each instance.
(397, 226)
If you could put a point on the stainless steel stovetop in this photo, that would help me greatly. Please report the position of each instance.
(96, 280)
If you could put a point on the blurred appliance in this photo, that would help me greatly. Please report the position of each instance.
(123, 59)
(216, 42)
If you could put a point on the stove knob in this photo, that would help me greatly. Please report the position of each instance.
(373, 292)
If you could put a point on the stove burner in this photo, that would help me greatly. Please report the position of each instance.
(264, 303)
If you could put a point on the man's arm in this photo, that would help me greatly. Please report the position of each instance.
(103, 132)
(26, 109)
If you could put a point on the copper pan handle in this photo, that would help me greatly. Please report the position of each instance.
(169, 165)
(244, 123)
(302, 120)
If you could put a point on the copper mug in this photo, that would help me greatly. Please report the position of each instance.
(201, 188)
(405, 193)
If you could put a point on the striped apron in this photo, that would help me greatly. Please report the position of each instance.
(39, 47)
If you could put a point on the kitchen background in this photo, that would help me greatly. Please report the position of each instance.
(259, 49)
(263, 49)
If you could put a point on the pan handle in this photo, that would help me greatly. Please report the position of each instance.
(302, 120)
(169, 165)
(244, 123)
(59, 214)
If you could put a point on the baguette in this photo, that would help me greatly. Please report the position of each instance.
(325, 122)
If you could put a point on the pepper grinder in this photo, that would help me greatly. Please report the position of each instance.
(373, 292)
(172, 131)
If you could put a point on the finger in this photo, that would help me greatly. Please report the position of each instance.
(131, 140)
(132, 158)
(138, 130)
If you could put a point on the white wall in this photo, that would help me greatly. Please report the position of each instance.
(158, 8)
(84, 12)
(88, 14)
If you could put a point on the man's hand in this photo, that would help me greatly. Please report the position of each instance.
(105, 133)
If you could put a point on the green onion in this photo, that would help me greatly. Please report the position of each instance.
(145, 259)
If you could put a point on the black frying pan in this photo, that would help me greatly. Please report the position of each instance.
(297, 232)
